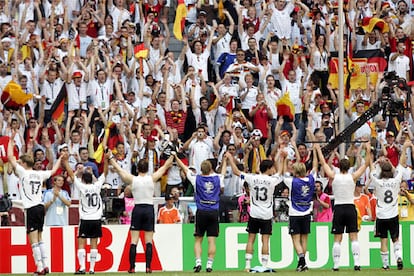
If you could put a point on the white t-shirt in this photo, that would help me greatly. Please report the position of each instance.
(262, 188)
(31, 183)
(343, 187)
(386, 191)
(90, 203)
(143, 189)
(400, 65)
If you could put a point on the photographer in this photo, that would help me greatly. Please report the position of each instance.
(326, 126)
(199, 27)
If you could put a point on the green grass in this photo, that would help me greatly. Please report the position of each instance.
(316, 272)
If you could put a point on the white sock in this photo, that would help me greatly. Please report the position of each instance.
(209, 263)
(397, 250)
(43, 253)
(248, 258)
(355, 252)
(94, 254)
(37, 255)
(265, 258)
(81, 258)
(336, 253)
(198, 262)
(385, 259)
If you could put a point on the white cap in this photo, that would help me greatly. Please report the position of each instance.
(6, 39)
(61, 147)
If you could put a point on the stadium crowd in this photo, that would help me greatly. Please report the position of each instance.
(95, 101)
(242, 63)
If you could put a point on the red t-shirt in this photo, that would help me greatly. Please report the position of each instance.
(260, 120)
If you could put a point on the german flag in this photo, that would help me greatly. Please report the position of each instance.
(179, 22)
(371, 23)
(13, 96)
(285, 107)
(371, 60)
(140, 51)
(58, 107)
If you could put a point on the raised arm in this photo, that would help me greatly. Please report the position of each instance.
(356, 175)
(233, 165)
(125, 176)
(161, 171)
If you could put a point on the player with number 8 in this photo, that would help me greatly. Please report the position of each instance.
(387, 187)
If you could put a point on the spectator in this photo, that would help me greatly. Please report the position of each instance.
(322, 211)
(362, 203)
(244, 204)
(126, 215)
(56, 203)
(200, 148)
(168, 214)
(405, 203)
(261, 115)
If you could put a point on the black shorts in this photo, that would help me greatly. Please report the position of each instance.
(206, 221)
(35, 218)
(383, 226)
(143, 218)
(90, 229)
(344, 217)
(299, 224)
(262, 226)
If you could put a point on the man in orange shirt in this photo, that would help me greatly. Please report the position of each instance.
(362, 203)
(168, 213)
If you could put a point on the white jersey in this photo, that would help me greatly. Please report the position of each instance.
(90, 203)
(343, 187)
(262, 188)
(31, 183)
(386, 191)
(143, 189)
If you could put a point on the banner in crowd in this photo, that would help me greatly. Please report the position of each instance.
(372, 61)
(177, 254)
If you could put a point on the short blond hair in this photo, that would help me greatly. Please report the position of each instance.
(206, 167)
(299, 169)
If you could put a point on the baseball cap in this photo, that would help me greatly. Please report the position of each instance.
(202, 13)
(168, 197)
(61, 147)
(77, 74)
(285, 132)
(390, 134)
(150, 138)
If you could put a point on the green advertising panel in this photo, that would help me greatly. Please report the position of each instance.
(232, 240)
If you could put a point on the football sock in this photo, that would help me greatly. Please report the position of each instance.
(81, 258)
(132, 254)
(209, 263)
(43, 253)
(148, 255)
(94, 254)
(336, 253)
(265, 259)
(248, 258)
(355, 252)
(37, 255)
(397, 250)
(384, 258)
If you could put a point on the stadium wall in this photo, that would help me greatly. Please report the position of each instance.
(173, 246)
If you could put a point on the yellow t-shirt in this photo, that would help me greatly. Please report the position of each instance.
(405, 208)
